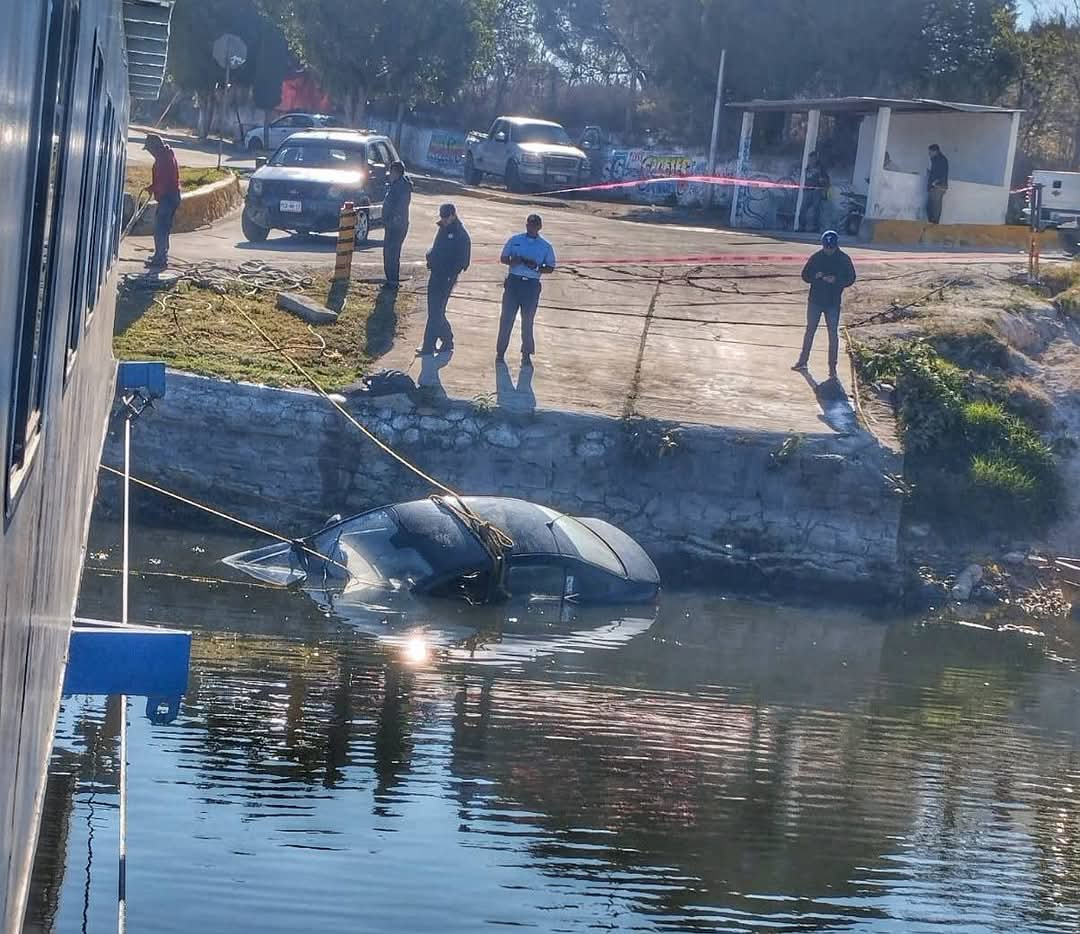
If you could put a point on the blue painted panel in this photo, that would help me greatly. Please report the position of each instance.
(148, 377)
(113, 659)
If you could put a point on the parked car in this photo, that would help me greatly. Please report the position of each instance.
(429, 548)
(304, 184)
(525, 152)
(284, 127)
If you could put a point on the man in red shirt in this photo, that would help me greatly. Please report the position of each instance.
(165, 187)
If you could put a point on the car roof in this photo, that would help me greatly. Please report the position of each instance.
(336, 136)
(517, 121)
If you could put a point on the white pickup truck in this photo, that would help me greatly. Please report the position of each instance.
(525, 153)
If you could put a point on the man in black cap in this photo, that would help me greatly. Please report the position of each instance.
(529, 256)
(448, 257)
(829, 271)
(165, 187)
(395, 221)
(937, 183)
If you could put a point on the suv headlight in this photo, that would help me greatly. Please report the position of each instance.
(531, 158)
(256, 187)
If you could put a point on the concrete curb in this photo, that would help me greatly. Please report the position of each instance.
(922, 233)
(197, 208)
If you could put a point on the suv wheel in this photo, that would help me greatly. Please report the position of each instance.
(255, 144)
(473, 176)
(363, 229)
(253, 233)
(513, 180)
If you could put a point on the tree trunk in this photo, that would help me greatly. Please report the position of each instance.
(266, 128)
(399, 124)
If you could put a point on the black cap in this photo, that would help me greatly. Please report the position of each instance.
(534, 219)
(153, 141)
(445, 210)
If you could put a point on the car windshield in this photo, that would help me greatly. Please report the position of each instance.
(541, 133)
(590, 546)
(327, 120)
(369, 547)
(319, 155)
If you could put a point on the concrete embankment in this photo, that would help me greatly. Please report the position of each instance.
(712, 505)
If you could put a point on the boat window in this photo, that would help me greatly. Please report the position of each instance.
(48, 152)
(586, 543)
(319, 156)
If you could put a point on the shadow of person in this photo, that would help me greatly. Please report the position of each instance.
(519, 398)
(429, 382)
(836, 409)
(381, 324)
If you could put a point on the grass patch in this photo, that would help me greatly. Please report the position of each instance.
(191, 177)
(976, 465)
(1060, 277)
(194, 328)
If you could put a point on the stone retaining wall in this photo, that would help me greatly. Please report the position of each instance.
(719, 505)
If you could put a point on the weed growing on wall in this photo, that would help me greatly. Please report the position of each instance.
(973, 462)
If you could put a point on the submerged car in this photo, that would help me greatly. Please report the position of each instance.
(435, 547)
(312, 174)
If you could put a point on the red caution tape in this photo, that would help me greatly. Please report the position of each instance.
(684, 179)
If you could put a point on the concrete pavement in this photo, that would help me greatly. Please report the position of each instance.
(679, 323)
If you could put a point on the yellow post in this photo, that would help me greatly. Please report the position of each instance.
(346, 242)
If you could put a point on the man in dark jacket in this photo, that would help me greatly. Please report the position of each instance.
(395, 222)
(829, 271)
(165, 187)
(937, 183)
(448, 257)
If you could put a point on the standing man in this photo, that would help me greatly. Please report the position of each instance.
(529, 256)
(448, 257)
(165, 187)
(829, 271)
(395, 222)
(814, 192)
(937, 183)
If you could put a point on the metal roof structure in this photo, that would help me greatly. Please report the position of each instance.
(146, 41)
(864, 105)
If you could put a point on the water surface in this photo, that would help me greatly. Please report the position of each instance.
(726, 766)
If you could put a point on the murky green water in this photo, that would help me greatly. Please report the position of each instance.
(727, 766)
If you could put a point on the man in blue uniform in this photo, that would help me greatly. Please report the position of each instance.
(448, 257)
(529, 256)
(395, 221)
(829, 271)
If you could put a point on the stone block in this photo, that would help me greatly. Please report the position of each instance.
(306, 308)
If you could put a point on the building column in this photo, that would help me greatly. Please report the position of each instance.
(812, 121)
(742, 162)
(877, 159)
(1010, 156)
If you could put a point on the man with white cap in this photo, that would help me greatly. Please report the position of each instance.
(829, 271)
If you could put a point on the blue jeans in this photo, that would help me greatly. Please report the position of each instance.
(163, 221)
(519, 293)
(814, 312)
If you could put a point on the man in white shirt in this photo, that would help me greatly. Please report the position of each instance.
(529, 256)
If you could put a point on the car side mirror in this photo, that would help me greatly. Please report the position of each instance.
(500, 137)
(260, 161)
(586, 144)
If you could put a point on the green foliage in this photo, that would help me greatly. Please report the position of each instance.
(975, 464)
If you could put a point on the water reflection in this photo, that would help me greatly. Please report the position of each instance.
(724, 767)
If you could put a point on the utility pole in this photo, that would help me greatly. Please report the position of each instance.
(715, 141)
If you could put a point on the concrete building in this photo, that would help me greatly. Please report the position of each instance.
(979, 142)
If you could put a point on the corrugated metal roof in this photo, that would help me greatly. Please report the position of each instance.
(146, 37)
(865, 105)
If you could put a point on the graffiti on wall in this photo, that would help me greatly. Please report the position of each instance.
(445, 150)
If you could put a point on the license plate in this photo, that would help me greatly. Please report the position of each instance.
(291, 207)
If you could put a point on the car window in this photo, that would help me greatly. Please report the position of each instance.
(542, 133)
(500, 127)
(546, 580)
(319, 155)
(586, 543)
(369, 547)
(305, 121)
(379, 155)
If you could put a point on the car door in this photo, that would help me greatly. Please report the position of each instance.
(494, 149)
(378, 174)
(289, 124)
